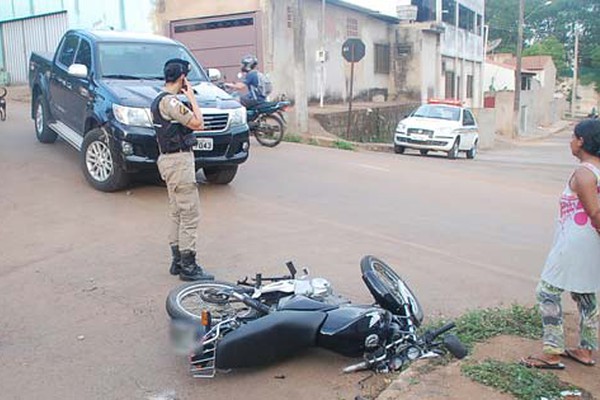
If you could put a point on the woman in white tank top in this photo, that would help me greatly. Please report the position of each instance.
(573, 264)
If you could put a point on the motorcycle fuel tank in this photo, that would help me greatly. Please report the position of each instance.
(346, 329)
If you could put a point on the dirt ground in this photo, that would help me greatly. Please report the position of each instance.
(447, 382)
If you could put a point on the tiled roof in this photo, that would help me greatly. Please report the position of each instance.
(536, 63)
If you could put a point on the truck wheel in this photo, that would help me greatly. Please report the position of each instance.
(399, 149)
(99, 163)
(471, 154)
(42, 131)
(220, 175)
(453, 153)
(424, 152)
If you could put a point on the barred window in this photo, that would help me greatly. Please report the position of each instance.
(469, 86)
(351, 27)
(290, 17)
(382, 59)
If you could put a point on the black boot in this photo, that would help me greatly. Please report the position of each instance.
(190, 271)
(176, 262)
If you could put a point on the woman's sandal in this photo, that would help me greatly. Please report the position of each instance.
(570, 353)
(540, 363)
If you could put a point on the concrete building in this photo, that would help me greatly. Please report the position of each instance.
(441, 49)
(37, 25)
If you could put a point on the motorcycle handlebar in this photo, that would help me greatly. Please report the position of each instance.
(252, 303)
(431, 335)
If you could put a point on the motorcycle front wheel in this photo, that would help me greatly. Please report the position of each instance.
(269, 131)
(188, 301)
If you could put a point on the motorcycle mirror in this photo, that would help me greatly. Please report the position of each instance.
(214, 74)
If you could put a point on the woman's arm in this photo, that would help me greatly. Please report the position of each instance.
(584, 183)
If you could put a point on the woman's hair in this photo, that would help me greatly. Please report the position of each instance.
(589, 131)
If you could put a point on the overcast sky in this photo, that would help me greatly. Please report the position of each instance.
(383, 6)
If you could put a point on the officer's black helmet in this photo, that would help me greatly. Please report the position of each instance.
(174, 68)
(249, 62)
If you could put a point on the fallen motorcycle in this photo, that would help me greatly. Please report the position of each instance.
(222, 326)
(3, 93)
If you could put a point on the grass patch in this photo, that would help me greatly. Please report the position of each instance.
(313, 142)
(343, 145)
(521, 382)
(292, 138)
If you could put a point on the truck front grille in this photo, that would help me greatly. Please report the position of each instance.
(215, 122)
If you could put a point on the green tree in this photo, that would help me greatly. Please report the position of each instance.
(549, 47)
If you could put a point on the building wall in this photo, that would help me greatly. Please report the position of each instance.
(165, 11)
(280, 52)
(498, 78)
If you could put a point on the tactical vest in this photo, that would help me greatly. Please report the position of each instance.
(171, 137)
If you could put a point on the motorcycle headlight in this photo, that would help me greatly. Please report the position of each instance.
(238, 116)
(132, 116)
(401, 128)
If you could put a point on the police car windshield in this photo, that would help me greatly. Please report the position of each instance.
(143, 61)
(438, 112)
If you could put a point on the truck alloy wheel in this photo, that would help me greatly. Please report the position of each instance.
(99, 163)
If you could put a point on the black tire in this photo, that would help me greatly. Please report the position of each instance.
(399, 149)
(40, 117)
(2, 114)
(220, 175)
(390, 291)
(98, 161)
(186, 302)
(472, 153)
(453, 153)
(269, 131)
(424, 152)
(455, 346)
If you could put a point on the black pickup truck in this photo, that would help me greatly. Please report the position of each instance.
(95, 93)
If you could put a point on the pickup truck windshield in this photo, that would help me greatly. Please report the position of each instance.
(438, 112)
(143, 61)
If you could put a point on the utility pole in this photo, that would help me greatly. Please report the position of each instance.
(300, 97)
(517, 104)
(322, 61)
(575, 71)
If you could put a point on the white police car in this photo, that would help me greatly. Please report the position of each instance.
(439, 125)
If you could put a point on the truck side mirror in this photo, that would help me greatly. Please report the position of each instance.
(78, 70)
(214, 74)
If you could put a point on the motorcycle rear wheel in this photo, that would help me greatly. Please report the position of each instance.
(187, 302)
(269, 131)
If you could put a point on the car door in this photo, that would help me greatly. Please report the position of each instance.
(469, 129)
(59, 82)
(79, 97)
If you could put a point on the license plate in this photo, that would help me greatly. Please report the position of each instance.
(421, 138)
(204, 144)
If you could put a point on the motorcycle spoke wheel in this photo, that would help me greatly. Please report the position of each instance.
(215, 298)
(269, 131)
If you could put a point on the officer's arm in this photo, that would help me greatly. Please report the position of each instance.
(197, 122)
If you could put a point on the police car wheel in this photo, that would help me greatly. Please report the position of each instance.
(453, 153)
(99, 165)
(424, 152)
(471, 154)
(43, 133)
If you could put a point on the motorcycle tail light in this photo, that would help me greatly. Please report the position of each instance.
(206, 320)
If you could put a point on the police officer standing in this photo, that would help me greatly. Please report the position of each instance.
(174, 124)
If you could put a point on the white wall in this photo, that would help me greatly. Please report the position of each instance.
(501, 78)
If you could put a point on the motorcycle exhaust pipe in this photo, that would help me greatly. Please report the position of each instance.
(252, 303)
(356, 367)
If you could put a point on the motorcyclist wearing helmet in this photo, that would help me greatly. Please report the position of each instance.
(251, 82)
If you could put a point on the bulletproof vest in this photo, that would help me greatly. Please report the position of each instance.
(171, 136)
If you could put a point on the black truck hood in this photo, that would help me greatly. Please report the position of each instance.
(133, 93)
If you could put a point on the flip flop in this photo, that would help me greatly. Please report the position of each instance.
(535, 362)
(570, 354)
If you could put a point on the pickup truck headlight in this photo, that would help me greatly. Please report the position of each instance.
(132, 116)
(401, 128)
(238, 116)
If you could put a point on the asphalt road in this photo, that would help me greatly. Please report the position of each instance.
(83, 274)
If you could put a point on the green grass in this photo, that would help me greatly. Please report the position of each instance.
(521, 382)
(343, 145)
(293, 138)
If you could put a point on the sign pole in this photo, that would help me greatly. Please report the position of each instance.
(351, 96)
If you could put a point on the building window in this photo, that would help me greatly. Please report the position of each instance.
(351, 27)
(449, 11)
(469, 86)
(466, 18)
(425, 10)
(525, 82)
(290, 17)
(479, 27)
(450, 84)
(382, 59)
